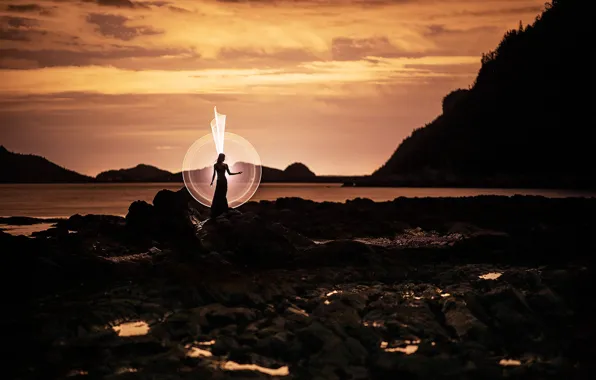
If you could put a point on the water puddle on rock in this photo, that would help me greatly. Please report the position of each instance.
(490, 276)
(410, 348)
(193, 351)
(123, 370)
(131, 328)
(25, 230)
(196, 352)
(233, 366)
(510, 362)
(77, 372)
(373, 324)
(297, 311)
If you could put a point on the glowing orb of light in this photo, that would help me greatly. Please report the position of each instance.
(197, 169)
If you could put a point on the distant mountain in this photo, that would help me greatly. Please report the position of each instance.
(28, 168)
(295, 172)
(146, 173)
(527, 121)
(298, 171)
(140, 173)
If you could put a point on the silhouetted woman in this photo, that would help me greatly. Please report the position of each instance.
(220, 200)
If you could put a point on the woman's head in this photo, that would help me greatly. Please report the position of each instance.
(221, 158)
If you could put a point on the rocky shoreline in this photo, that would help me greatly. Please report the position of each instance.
(417, 288)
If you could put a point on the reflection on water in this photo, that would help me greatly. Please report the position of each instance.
(123, 370)
(373, 323)
(509, 362)
(410, 294)
(131, 328)
(195, 352)
(64, 200)
(77, 372)
(491, 276)
(298, 311)
(408, 349)
(233, 366)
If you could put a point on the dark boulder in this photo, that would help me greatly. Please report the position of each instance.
(93, 224)
(172, 219)
(253, 241)
(340, 252)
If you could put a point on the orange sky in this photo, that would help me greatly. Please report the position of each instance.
(336, 84)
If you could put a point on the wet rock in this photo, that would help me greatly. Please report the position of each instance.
(518, 325)
(93, 225)
(338, 354)
(548, 304)
(172, 218)
(340, 252)
(296, 239)
(224, 345)
(217, 316)
(315, 336)
(275, 346)
(253, 241)
(183, 324)
(339, 312)
(176, 211)
(464, 323)
(462, 228)
(141, 217)
(369, 338)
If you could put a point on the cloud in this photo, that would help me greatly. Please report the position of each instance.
(435, 30)
(18, 22)
(115, 26)
(253, 55)
(18, 28)
(113, 3)
(54, 58)
(535, 9)
(305, 78)
(349, 49)
(25, 8)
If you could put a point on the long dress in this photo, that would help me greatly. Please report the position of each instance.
(220, 200)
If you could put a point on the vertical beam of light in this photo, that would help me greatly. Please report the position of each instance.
(218, 126)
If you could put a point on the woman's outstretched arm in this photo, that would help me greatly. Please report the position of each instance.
(213, 177)
(230, 173)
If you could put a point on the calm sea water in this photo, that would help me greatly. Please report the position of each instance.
(63, 200)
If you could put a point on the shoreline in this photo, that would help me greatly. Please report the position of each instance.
(62, 203)
(306, 288)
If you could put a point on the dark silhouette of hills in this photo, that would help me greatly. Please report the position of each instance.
(299, 171)
(146, 173)
(140, 173)
(525, 122)
(296, 172)
(28, 168)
